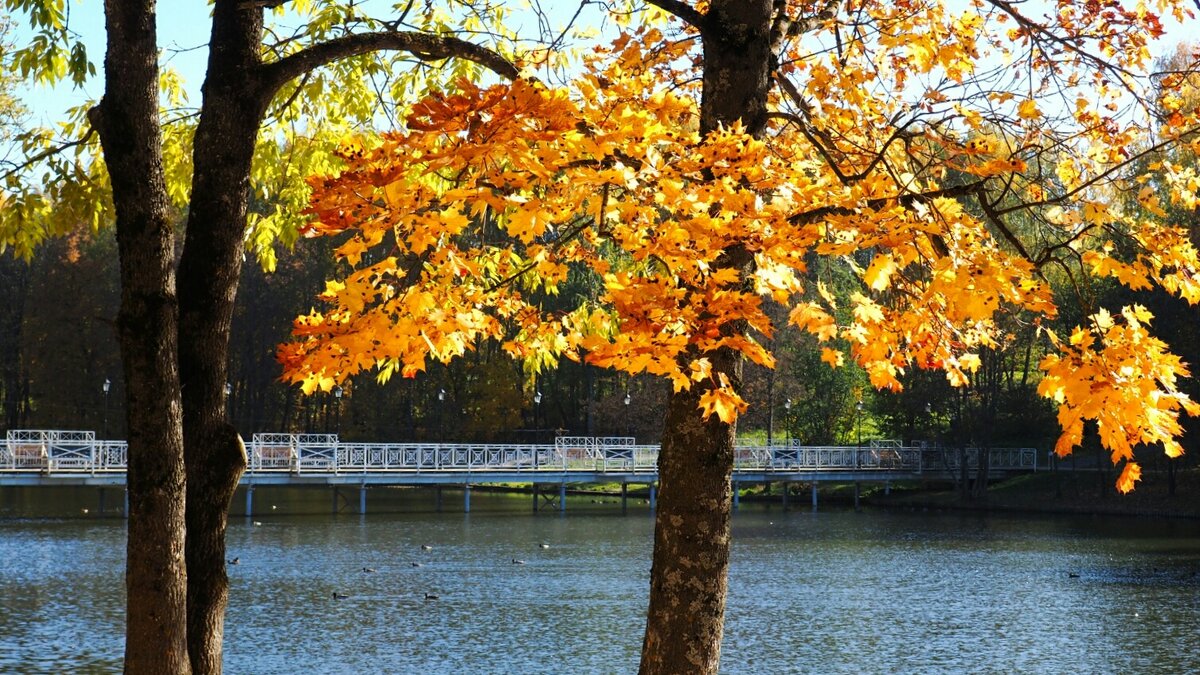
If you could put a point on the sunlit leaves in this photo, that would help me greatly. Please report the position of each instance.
(887, 153)
(1117, 374)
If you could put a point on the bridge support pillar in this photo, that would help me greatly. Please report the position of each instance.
(437, 498)
(536, 494)
(362, 499)
(249, 500)
(653, 495)
(735, 495)
(887, 487)
(467, 498)
(814, 495)
(624, 498)
(335, 500)
(100, 505)
(562, 497)
(856, 496)
(786, 488)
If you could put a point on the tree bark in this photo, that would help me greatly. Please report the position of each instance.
(127, 120)
(690, 569)
(689, 575)
(209, 268)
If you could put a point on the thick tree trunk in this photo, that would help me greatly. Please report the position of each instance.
(208, 277)
(127, 120)
(690, 570)
(689, 576)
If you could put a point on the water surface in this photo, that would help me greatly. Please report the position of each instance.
(830, 592)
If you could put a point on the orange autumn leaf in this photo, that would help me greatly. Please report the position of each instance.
(1129, 475)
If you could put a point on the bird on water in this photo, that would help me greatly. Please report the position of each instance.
(430, 596)
(339, 596)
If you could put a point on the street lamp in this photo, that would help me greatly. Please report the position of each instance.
(628, 419)
(537, 411)
(337, 410)
(858, 408)
(787, 419)
(441, 415)
(107, 387)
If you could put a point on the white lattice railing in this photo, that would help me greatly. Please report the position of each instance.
(74, 452)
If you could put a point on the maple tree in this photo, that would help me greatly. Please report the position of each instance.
(696, 170)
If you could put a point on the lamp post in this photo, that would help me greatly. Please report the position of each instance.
(929, 416)
(628, 420)
(787, 419)
(858, 423)
(537, 411)
(858, 408)
(441, 415)
(337, 410)
(107, 386)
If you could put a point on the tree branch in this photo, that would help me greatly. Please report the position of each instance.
(50, 152)
(813, 215)
(681, 10)
(422, 45)
(783, 27)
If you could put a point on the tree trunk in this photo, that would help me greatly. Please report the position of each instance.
(208, 276)
(689, 574)
(127, 120)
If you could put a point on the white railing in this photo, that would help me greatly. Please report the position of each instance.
(75, 452)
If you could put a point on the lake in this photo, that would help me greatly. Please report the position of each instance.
(828, 592)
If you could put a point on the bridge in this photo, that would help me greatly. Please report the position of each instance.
(39, 458)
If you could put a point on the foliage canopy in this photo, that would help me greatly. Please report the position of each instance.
(903, 140)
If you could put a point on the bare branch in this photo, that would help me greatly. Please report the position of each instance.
(422, 45)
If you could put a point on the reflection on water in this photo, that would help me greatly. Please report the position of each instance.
(827, 592)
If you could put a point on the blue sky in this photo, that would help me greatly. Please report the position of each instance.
(183, 35)
(183, 27)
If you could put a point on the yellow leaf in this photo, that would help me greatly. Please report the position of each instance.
(724, 403)
(833, 357)
(1028, 110)
(879, 273)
